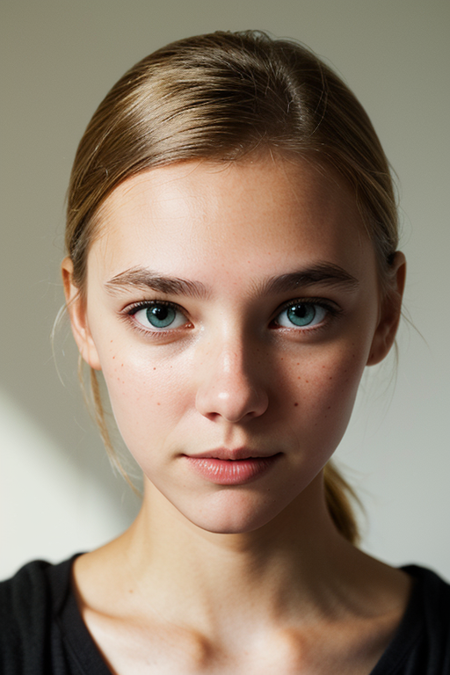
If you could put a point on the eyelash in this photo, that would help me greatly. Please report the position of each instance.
(331, 312)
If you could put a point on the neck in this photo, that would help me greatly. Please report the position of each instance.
(276, 569)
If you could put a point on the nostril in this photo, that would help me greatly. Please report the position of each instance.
(233, 404)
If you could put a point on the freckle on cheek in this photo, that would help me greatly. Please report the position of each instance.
(295, 405)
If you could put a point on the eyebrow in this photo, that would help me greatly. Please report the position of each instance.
(140, 277)
(323, 274)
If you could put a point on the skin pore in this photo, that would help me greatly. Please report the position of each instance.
(232, 308)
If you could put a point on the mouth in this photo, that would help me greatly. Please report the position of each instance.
(231, 467)
(233, 455)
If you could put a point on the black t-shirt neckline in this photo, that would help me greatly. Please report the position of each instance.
(89, 660)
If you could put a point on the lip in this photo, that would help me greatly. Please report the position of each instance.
(230, 454)
(231, 467)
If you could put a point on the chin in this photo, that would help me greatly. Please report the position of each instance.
(235, 513)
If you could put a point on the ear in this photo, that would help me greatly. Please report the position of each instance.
(390, 312)
(76, 307)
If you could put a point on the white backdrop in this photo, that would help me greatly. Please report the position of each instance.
(57, 493)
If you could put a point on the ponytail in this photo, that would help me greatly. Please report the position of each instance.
(339, 496)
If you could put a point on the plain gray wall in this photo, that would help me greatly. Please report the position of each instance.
(59, 58)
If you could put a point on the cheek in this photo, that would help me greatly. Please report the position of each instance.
(142, 398)
(324, 390)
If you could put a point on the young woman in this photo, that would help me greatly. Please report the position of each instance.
(232, 268)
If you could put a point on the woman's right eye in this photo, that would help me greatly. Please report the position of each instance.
(158, 316)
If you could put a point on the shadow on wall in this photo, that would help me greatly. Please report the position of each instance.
(53, 503)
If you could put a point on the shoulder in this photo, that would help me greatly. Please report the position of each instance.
(34, 588)
(422, 643)
(29, 579)
(28, 602)
(433, 592)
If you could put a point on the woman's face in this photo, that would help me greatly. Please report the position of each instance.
(232, 310)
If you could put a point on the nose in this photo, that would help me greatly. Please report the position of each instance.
(231, 385)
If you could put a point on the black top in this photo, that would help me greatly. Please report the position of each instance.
(42, 631)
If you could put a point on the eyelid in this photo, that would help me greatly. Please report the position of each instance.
(330, 305)
(142, 304)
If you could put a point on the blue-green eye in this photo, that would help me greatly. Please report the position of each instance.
(159, 316)
(301, 315)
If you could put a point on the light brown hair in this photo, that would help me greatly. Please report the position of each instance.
(221, 97)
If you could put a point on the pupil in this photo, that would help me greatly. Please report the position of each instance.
(160, 312)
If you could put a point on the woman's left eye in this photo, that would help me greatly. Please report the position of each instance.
(301, 315)
(157, 316)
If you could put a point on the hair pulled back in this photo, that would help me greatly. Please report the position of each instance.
(221, 97)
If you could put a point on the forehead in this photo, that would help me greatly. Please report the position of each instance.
(200, 215)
